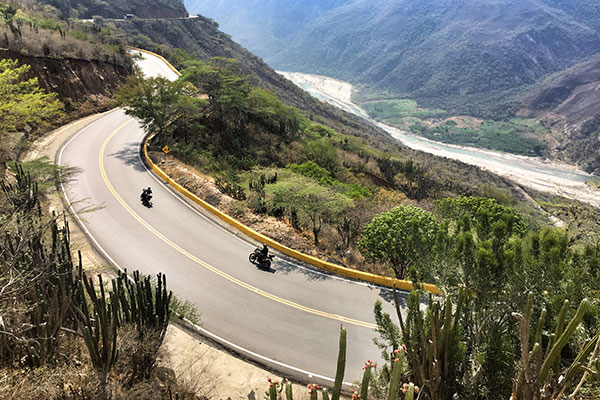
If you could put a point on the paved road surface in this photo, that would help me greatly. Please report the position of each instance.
(288, 318)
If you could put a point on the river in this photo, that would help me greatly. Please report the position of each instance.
(532, 172)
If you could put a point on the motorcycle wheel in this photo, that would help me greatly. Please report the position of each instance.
(252, 258)
(265, 264)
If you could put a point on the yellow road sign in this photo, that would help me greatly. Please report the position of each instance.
(166, 149)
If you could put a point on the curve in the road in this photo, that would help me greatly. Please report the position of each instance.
(400, 284)
(267, 331)
(206, 265)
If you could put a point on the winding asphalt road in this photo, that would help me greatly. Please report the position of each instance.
(287, 318)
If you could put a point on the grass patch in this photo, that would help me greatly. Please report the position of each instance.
(392, 111)
(507, 136)
(185, 309)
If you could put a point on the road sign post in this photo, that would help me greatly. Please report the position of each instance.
(166, 150)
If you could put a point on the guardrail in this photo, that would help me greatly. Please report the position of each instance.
(336, 269)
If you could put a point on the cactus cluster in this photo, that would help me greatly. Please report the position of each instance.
(541, 374)
(395, 391)
(142, 304)
(132, 300)
(39, 284)
(99, 326)
(432, 340)
(23, 195)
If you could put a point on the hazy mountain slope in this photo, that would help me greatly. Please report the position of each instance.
(572, 100)
(433, 50)
(265, 27)
(201, 37)
(462, 55)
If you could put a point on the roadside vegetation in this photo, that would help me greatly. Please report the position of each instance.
(519, 310)
(24, 109)
(64, 334)
(36, 30)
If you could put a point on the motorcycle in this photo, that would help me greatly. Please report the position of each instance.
(257, 259)
(146, 197)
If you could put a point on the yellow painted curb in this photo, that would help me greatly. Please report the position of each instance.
(339, 270)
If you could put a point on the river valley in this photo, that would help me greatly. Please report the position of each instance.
(536, 173)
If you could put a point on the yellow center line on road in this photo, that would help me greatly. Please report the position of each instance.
(208, 266)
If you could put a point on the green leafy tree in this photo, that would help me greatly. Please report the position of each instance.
(313, 204)
(159, 104)
(322, 152)
(487, 216)
(401, 238)
(23, 104)
(227, 88)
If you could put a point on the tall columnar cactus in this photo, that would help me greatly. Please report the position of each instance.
(43, 278)
(432, 341)
(540, 370)
(396, 374)
(148, 308)
(100, 327)
(341, 366)
(366, 379)
(289, 395)
(23, 195)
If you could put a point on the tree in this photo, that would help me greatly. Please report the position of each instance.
(484, 213)
(401, 238)
(158, 103)
(227, 88)
(22, 102)
(314, 204)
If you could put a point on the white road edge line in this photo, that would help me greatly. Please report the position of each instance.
(197, 327)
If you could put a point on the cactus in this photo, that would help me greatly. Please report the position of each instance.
(288, 390)
(410, 392)
(272, 391)
(140, 304)
(432, 342)
(99, 331)
(341, 366)
(540, 368)
(23, 195)
(396, 374)
(366, 380)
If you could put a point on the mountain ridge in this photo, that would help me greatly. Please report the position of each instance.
(433, 50)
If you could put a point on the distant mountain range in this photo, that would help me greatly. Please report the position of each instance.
(487, 58)
(461, 55)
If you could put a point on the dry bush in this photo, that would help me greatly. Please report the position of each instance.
(49, 382)
(49, 43)
(193, 376)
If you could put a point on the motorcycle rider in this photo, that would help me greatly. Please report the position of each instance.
(263, 253)
(146, 194)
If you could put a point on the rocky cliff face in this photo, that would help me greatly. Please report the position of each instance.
(84, 86)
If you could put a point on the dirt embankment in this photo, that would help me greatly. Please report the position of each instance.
(84, 86)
